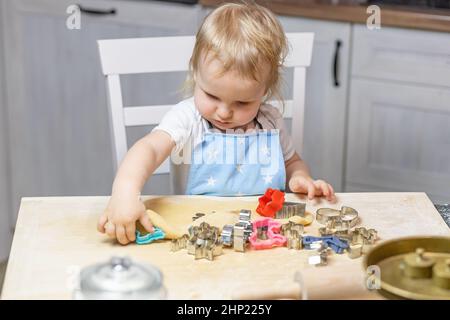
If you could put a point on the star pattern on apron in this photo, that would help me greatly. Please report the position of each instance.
(237, 164)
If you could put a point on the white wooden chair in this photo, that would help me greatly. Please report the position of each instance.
(171, 54)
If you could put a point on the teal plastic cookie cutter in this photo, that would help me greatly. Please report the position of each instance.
(157, 234)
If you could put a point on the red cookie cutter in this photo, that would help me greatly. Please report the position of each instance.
(274, 238)
(271, 202)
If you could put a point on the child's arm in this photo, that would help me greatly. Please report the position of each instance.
(300, 180)
(124, 207)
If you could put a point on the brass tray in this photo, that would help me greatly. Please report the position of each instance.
(388, 256)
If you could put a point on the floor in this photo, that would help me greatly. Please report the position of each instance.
(444, 210)
(2, 273)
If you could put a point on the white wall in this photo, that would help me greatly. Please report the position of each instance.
(5, 226)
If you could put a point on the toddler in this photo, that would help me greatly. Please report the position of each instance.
(225, 139)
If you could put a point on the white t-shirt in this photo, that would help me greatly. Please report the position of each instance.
(184, 124)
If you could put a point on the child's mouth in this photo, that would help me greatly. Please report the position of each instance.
(221, 123)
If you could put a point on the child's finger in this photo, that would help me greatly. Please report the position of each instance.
(130, 230)
(101, 223)
(324, 189)
(329, 192)
(318, 187)
(311, 190)
(331, 188)
(120, 234)
(110, 229)
(145, 221)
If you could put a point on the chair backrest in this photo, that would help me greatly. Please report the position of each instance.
(171, 54)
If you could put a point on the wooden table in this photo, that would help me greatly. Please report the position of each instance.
(55, 236)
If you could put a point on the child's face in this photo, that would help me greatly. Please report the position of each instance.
(228, 101)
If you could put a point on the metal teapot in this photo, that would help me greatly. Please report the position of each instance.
(120, 279)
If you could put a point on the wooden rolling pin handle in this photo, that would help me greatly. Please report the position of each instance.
(290, 292)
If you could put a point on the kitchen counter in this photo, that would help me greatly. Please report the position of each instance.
(56, 236)
(351, 11)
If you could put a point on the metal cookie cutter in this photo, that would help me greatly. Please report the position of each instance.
(343, 219)
(323, 215)
(348, 218)
(245, 215)
(293, 233)
(179, 243)
(245, 221)
(227, 235)
(266, 234)
(369, 237)
(291, 209)
(329, 229)
(237, 235)
(203, 242)
(287, 228)
(354, 250)
(295, 241)
(242, 230)
(361, 241)
(321, 257)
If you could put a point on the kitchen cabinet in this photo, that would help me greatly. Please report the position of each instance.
(5, 209)
(326, 96)
(399, 113)
(394, 54)
(57, 109)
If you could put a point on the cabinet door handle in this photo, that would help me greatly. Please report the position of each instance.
(336, 63)
(98, 12)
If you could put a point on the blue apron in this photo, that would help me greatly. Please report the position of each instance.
(225, 164)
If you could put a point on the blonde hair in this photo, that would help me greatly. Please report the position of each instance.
(242, 36)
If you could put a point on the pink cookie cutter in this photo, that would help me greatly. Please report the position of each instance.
(271, 230)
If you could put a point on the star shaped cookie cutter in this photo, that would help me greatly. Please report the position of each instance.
(203, 242)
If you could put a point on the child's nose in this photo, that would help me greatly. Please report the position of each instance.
(224, 112)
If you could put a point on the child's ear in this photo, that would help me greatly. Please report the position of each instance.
(265, 97)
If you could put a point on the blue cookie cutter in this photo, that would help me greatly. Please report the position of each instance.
(333, 242)
(157, 234)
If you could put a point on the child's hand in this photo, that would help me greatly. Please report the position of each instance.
(306, 185)
(120, 216)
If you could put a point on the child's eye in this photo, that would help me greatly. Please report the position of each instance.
(211, 96)
(243, 103)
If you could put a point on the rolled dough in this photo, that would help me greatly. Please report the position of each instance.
(174, 215)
